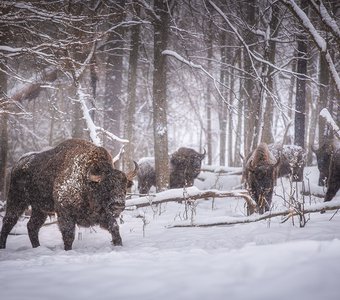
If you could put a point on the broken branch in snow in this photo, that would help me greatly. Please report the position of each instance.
(320, 207)
(190, 193)
(324, 113)
(221, 170)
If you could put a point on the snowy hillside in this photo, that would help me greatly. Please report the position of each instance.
(261, 260)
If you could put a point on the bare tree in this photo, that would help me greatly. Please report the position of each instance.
(161, 34)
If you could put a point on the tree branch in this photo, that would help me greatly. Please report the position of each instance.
(321, 207)
(190, 193)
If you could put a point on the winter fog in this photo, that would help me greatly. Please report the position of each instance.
(169, 149)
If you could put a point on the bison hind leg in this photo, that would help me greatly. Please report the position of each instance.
(37, 220)
(10, 219)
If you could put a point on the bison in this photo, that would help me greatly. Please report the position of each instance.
(328, 158)
(292, 160)
(77, 181)
(185, 165)
(260, 175)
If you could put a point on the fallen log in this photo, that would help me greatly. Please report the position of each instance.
(221, 170)
(192, 194)
(222, 221)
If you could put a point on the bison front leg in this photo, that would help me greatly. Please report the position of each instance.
(67, 228)
(110, 223)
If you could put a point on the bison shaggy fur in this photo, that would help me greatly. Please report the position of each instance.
(260, 175)
(328, 158)
(77, 181)
(185, 166)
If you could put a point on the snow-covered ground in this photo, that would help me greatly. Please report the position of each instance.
(262, 260)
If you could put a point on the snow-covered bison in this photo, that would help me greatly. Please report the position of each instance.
(328, 157)
(185, 165)
(77, 181)
(292, 160)
(260, 175)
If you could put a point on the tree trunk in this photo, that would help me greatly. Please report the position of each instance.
(222, 111)
(251, 102)
(161, 32)
(131, 93)
(3, 131)
(323, 96)
(208, 95)
(300, 103)
(113, 77)
(267, 132)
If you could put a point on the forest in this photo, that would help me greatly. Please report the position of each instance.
(152, 76)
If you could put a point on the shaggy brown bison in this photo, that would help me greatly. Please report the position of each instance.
(292, 160)
(260, 175)
(77, 181)
(185, 165)
(328, 158)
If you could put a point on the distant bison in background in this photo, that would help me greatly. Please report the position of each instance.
(260, 174)
(77, 181)
(185, 165)
(328, 158)
(292, 160)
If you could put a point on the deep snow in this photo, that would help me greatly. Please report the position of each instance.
(262, 260)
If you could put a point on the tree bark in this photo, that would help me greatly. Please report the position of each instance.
(114, 71)
(131, 93)
(300, 104)
(3, 131)
(251, 101)
(323, 96)
(161, 32)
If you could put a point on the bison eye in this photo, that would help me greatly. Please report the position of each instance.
(95, 178)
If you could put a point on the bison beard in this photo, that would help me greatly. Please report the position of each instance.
(260, 176)
(185, 165)
(77, 181)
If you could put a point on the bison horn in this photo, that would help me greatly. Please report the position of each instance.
(204, 153)
(277, 162)
(312, 147)
(133, 173)
(95, 178)
(251, 167)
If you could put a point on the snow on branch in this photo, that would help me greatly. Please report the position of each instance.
(93, 129)
(221, 169)
(190, 193)
(326, 18)
(318, 39)
(89, 122)
(222, 221)
(324, 113)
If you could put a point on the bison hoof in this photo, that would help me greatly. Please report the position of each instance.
(117, 242)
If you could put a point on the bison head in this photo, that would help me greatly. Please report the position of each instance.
(185, 166)
(108, 187)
